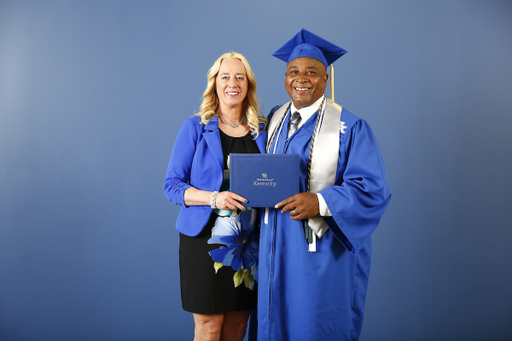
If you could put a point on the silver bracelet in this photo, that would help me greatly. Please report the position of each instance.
(213, 199)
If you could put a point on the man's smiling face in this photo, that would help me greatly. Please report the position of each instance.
(306, 79)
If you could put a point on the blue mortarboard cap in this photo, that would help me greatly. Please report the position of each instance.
(307, 44)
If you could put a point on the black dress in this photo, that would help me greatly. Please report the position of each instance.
(204, 291)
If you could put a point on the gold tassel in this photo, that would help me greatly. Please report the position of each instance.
(332, 83)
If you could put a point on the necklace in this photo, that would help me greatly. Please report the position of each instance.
(231, 124)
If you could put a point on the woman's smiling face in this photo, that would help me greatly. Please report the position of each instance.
(231, 84)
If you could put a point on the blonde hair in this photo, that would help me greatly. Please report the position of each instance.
(210, 105)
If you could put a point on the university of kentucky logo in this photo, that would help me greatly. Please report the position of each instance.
(264, 181)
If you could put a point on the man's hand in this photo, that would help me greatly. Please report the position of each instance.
(301, 206)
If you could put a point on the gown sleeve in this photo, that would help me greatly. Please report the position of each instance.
(361, 193)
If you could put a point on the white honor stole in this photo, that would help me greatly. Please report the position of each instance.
(324, 159)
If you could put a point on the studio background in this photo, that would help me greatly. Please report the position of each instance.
(93, 93)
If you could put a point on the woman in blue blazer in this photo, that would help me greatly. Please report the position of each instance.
(218, 234)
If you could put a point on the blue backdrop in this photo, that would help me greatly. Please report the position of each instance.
(92, 94)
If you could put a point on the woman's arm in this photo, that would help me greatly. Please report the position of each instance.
(225, 200)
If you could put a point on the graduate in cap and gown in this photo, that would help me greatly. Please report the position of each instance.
(315, 247)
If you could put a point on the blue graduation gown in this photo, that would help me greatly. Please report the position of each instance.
(320, 296)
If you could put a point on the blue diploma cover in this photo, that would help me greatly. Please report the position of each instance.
(264, 179)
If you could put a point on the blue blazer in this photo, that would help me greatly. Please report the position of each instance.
(197, 161)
